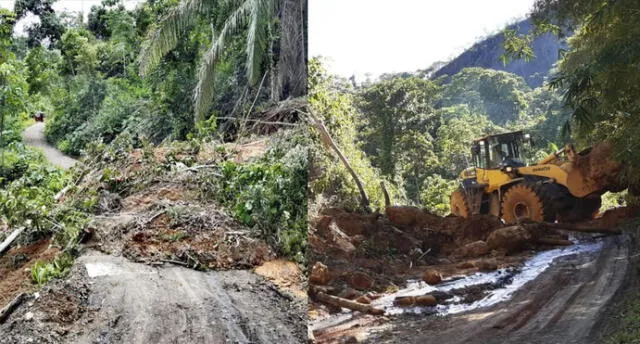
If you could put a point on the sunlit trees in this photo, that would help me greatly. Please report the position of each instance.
(263, 22)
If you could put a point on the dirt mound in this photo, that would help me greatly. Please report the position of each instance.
(614, 217)
(284, 274)
(16, 265)
(598, 167)
(109, 299)
(511, 239)
(354, 253)
(197, 236)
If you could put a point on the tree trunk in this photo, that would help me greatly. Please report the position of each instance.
(10, 239)
(292, 64)
(345, 303)
(326, 138)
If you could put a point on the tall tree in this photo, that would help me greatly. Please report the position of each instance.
(49, 26)
(259, 19)
(598, 75)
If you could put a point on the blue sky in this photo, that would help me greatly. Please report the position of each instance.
(376, 36)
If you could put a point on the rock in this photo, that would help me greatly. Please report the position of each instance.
(405, 216)
(404, 301)
(352, 224)
(487, 265)
(28, 316)
(475, 249)
(360, 281)
(511, 239)
(432, 277)
(426, 300)
(320, 274)
(467, 265)
(411, 301)
(373, 296)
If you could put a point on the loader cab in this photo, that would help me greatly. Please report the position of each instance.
(497, 151)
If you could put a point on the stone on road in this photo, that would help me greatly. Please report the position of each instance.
(34, 136)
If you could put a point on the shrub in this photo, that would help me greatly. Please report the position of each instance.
(43, 272)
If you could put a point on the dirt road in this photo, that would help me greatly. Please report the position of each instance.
(34, 136)
(110, 299)
(566, 304)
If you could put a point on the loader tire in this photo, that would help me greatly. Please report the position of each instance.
(459, 205)
(524, 202)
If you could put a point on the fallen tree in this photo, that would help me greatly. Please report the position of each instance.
(345, 303)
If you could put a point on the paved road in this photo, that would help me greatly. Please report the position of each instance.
(34, 136)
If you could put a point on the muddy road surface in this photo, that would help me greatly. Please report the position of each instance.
(34, 136)
(567, 303)
(109, 299)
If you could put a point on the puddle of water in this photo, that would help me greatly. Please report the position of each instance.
(531, 269)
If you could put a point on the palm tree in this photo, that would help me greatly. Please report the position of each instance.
(287, 75)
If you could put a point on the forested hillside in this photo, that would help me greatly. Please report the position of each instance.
(487, 54)
(416, 133)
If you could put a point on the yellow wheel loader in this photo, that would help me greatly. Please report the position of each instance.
(501, 184)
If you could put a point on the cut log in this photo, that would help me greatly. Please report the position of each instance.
(344, 303)
(8, 309)
(61, 194)
(10, 239)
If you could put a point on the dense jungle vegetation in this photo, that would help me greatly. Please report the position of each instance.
(165, 71)
(414, 132)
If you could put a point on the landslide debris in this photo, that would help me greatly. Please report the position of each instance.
(356, 254)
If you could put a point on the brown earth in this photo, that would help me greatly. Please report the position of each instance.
(108, 299)
(15, 268)
(408, 243)
(151, 209)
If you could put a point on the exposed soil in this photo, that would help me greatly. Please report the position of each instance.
(197, 285)
(175, 229)
(566, 304)
(15, 268)
(109, 299)
(363, 257)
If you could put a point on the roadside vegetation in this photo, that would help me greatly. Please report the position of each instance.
(165, 78)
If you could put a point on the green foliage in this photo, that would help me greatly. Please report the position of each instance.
(399, 119)
(270, 197)
(49, 27)
(256, 21)
(329, 179)
(435, 194)
(29, 184)
(612, 200)
(500, 95)
(43, 272)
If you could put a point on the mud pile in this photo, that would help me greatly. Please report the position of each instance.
(358, 256)
(152, 208)
(169, 305)
(16, 265)
(599, 168)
